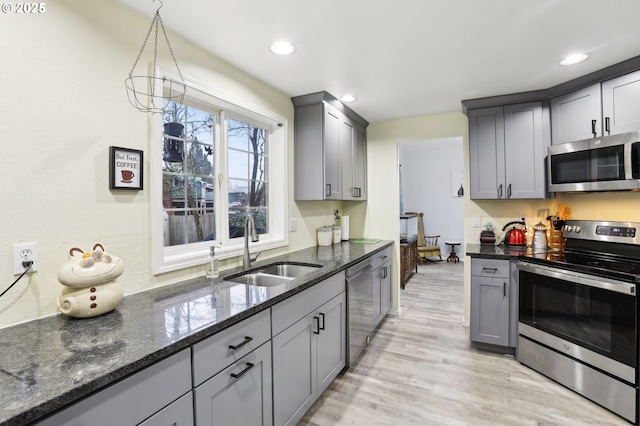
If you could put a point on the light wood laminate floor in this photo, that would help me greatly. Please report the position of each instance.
(419, 369)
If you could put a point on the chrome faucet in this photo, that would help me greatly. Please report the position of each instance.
(249, 228)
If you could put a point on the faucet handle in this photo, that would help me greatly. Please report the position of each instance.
(255, 256)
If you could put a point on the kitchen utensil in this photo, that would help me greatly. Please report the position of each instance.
(515, 236)
(539, 236)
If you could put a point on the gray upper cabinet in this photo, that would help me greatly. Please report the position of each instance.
(602, 109)
(507, 149)
(329, 149)
(354, 163)
(621, 104)
(576, 115)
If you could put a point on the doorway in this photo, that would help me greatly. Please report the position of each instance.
(431, 182)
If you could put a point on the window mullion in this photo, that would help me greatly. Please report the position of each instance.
(222, 221)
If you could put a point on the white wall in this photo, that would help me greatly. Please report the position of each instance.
(63, 104)
(427, 168)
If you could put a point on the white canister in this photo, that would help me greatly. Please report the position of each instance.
(325, 236)
(337, 234)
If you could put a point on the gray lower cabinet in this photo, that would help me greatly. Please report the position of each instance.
(232, 371)
(507, 149)
(381, 264)
(307, 357)
(239, 395)
(309, 347)
(178, 413)
(490, 301)
(128, 401)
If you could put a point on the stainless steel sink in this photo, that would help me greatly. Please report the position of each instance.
(274, 274)
(291, 270)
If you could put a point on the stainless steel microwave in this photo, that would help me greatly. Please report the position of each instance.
(610, 163)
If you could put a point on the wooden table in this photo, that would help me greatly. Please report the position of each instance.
(408, 260)
(453, 257)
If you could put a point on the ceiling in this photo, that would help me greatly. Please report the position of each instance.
(407, 58)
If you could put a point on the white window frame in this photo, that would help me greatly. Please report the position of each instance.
(166, 259)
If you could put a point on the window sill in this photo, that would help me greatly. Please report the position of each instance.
(181, 260)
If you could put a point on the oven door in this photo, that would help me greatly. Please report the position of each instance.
(592, 313)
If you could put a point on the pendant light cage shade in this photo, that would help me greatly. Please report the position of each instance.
(142, 90)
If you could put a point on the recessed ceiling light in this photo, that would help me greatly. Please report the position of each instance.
(348, 98)
(574, 59)
(282, 48)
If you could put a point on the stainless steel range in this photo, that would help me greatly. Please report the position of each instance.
(578, 314)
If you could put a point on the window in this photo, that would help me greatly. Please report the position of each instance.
(215, 161)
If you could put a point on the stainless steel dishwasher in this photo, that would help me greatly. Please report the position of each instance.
(359, 308)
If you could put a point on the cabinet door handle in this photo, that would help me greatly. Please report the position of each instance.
(509, 191)
(328, 193)
(500, 191)
(607, 125)
(504, 289)
(593, 127)
(243, 372)
(317, 321)
(321, 327)
(385, 272)
(246, 340)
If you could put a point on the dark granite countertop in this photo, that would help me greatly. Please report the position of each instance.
(48, 363)
(490, 251)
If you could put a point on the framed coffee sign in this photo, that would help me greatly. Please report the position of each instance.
(125, 168)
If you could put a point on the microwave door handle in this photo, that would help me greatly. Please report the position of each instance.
(628, 165)
(593, 127)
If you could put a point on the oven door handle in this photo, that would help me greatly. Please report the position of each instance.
(579, 278)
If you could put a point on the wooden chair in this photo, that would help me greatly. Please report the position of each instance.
(427, 244)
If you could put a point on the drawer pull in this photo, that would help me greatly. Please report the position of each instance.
(243, 372)
(246, 340)
(492, 270)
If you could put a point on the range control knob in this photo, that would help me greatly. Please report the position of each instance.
(568, 228)
(577, 229)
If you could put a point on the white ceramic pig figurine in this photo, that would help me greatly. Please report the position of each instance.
(90, 283)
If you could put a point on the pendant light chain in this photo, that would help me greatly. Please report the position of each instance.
(176, 89)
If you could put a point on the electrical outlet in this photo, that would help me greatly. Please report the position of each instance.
(293, 225)
(24, 252)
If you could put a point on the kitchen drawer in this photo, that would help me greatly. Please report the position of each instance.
(178, 413)
(380, 257)
(497, 268)
(215, 353)
(290, 310)
(239, 395)
(124, 403)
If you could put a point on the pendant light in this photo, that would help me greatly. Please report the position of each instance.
(141, 89)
